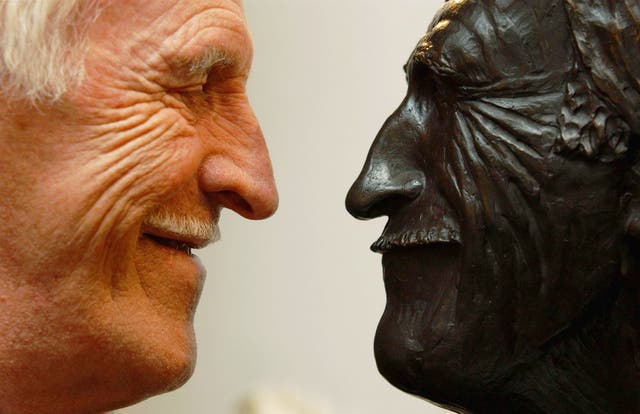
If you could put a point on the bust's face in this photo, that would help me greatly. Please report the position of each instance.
(496, 241)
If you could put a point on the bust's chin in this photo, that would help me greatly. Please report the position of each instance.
(436, 339)
(418, 332)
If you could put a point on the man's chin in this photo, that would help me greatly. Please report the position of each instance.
(172, 371)
(158, 360)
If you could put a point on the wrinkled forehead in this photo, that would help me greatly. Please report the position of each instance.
(489, 41)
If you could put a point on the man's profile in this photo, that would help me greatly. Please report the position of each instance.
(124, 129)
(510, 178)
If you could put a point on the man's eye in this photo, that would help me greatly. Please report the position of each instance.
(192, 90)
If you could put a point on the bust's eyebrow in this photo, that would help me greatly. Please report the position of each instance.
(420, 57)
(422, 50)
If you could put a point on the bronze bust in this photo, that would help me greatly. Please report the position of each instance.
(511, 180)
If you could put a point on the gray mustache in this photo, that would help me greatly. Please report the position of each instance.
(415, 238)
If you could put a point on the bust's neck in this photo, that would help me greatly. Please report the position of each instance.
(593, 367)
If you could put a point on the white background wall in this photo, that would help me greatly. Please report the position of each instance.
(294, 301)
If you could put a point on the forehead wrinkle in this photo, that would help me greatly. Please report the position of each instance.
(209, 37)
(426, 51)
(488, 49)
(443, 45)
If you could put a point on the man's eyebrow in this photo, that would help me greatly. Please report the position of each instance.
(205, 61)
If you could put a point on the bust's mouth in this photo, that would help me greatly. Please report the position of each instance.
(391, 241)
(420, 265)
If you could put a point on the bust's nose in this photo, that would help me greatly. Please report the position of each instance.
(378, 191)
(389, 178)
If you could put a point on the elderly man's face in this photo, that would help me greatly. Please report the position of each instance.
(495, 242)
(112, 187)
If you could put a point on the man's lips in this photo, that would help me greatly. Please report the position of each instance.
(180, 234)
(191, 240)
(173, 244)
(178, 241)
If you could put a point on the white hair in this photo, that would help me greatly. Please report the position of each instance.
(42, 46)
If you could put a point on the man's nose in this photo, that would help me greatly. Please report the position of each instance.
(389, 178)
(237, 173)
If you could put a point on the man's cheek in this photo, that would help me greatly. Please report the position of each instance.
(160, 148)
(134, 164)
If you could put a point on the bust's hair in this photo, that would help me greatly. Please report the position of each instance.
(42, 46)
(602, 106)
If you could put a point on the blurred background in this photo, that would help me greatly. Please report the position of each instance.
(287, 318)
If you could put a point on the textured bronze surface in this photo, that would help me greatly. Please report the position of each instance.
(511, 180)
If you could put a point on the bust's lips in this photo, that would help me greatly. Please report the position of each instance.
(410, 238)
(419, 264)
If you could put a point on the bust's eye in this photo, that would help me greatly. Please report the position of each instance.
(412, 68)
(416, 70)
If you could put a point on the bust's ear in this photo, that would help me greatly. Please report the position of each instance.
(631, 202)
(631, 219)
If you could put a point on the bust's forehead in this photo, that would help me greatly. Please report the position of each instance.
(492, 40)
